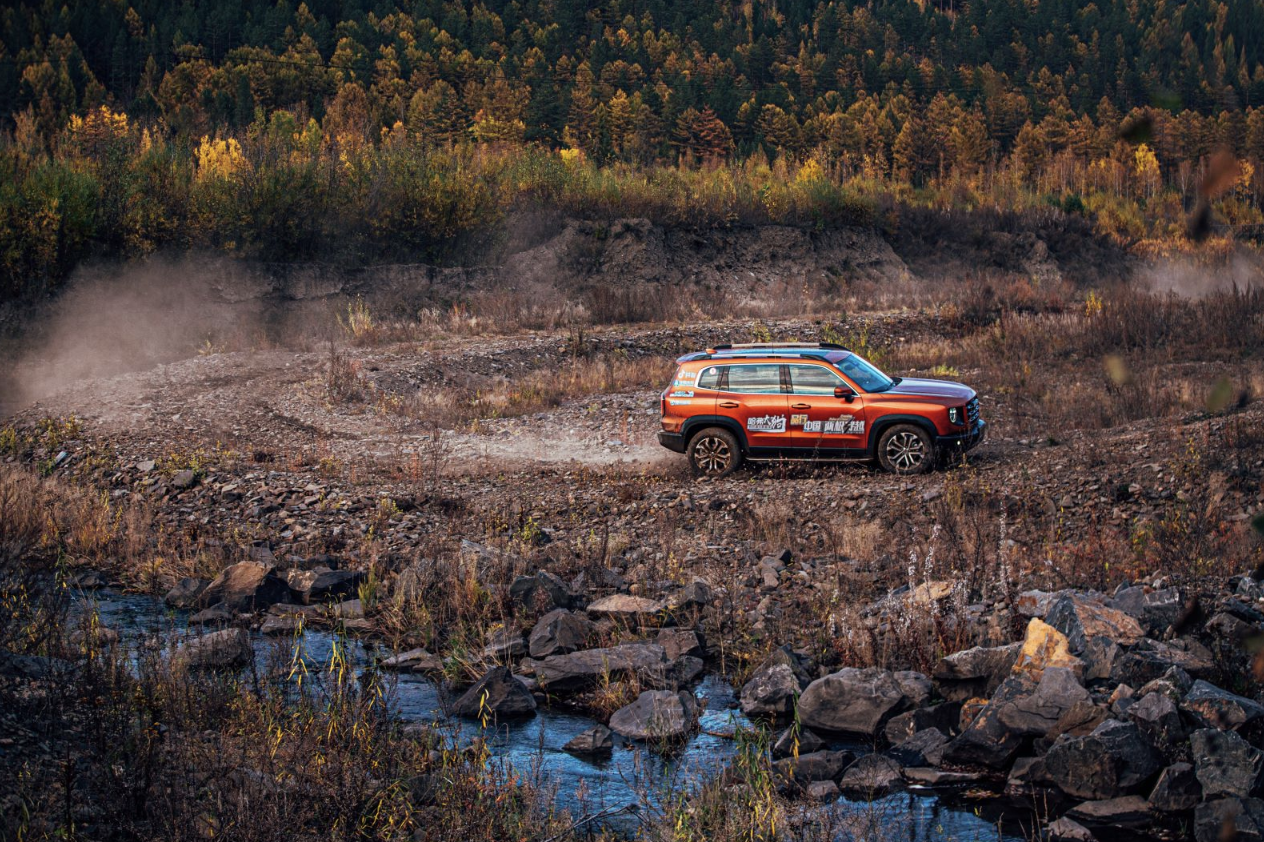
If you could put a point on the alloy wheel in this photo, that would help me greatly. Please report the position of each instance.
(712, 454)
(906, 451)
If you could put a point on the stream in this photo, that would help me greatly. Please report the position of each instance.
(632, 775)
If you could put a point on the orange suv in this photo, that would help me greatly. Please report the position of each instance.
(814, 401)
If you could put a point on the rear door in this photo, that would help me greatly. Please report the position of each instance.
(819, 420)
(751, 393)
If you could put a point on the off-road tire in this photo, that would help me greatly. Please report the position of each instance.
(714, 453)
(906, 449)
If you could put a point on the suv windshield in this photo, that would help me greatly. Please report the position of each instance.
(864, 374)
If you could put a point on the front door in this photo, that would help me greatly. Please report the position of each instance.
(751, 393)
(818, 419)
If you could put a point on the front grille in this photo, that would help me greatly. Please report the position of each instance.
(972, 411)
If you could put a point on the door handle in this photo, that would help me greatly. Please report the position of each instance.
(801, 406)
(729, 404)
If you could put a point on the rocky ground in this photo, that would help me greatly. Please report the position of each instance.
(1071, 614)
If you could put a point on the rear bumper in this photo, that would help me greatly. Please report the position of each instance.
(672, 441)
(962, 442)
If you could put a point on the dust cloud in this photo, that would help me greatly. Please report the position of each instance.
(1192, 278)
(122, 318)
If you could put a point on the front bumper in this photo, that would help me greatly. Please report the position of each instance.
(961, 442)
(672, 441)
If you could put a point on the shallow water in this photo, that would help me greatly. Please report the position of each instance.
(632, 775)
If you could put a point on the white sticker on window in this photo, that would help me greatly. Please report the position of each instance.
(767, 424)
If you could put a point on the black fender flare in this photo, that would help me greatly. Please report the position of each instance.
(877, 427)
(698, 422)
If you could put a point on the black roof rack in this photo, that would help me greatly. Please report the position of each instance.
(751, 346)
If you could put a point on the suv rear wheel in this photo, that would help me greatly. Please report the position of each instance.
(906, 449)
(714, 453)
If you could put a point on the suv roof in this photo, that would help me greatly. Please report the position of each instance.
(815, 350)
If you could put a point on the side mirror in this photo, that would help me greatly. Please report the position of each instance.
(844, 393)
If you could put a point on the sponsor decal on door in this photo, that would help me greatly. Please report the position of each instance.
(811, 426)
(767, 424)
(798, 420)
(844, 425)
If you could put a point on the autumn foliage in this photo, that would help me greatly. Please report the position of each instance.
(321, 129)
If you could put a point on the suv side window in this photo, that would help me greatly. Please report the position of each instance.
(813, 380)
(710, 377)
(756, 379)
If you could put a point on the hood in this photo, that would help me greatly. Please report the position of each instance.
(913, 386)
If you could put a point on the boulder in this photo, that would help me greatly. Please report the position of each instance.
(974, 672)
(595, 742)
(316, 587)
(1079, 719)
(822, 790)
(184, 479)
(1042, 647)
(813, 766)
(216, 615)
(871, 776)
(542, 590)
(1230, 629)
(223, 649)
(1107, 763)
(680, 642)
(785, 746)
(1177, 789)
(771, 691)
(274, 625)
(1035, 603)
(1036, 714)
(985, 740)
(1025, 775)
(246, 586)
(1212, 707)
(559, 632)
(1225, 819)
(414, 660)
(1068, 830)
(1081, 619)
(1151, 659)
(1099, 657)
(1155, 610)
(1131, 811)
(498, 694)
(186, 593)
(657, 715)
(925, 748)
(945, 717)
(632, 610)
(348, 609)
(684, 671)
(1174, 684)
(917, 688)
(923, 776)
(559, 673)
(1225, 764)
(1157, 715)
(695, 595)
(855, 702)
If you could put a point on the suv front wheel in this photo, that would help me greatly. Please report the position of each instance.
(714, 453)
(906, 449)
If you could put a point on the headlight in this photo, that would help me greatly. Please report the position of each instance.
(954, 415)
